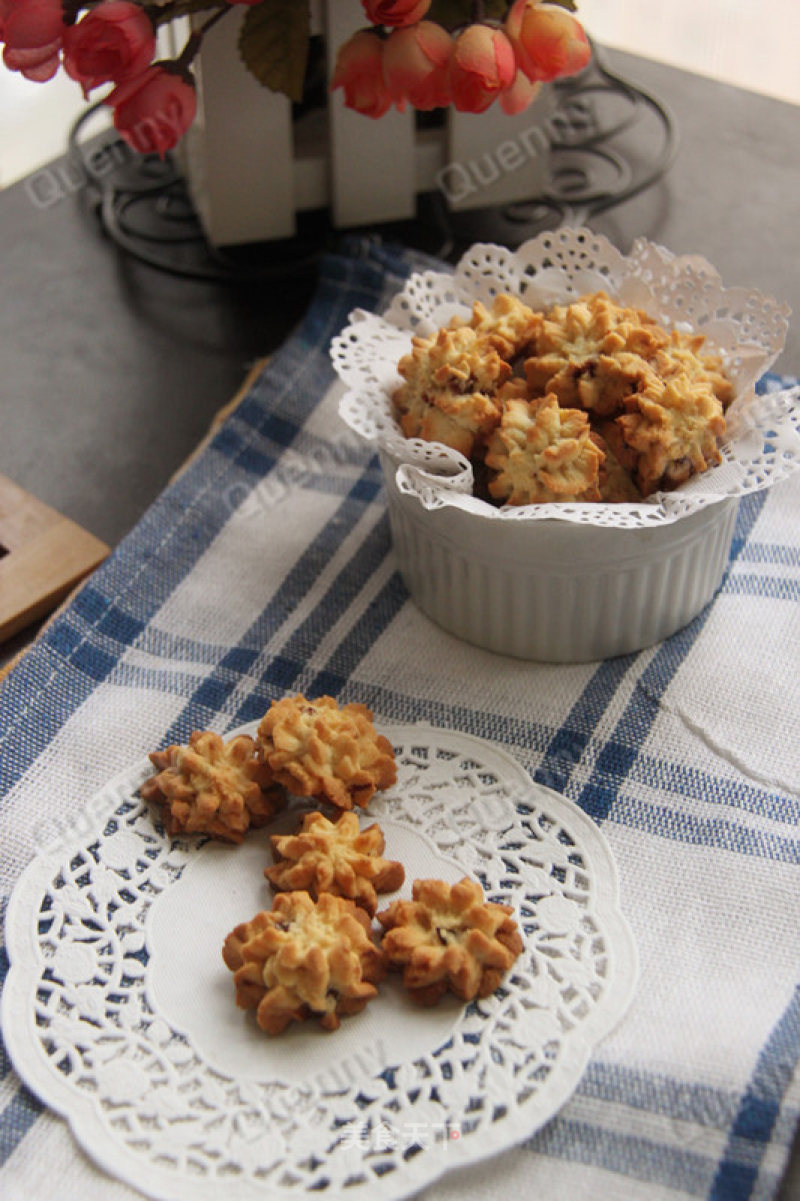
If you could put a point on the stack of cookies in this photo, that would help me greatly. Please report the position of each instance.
(313, 954)
(586, 402)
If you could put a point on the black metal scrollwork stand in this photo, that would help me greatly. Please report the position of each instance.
(595, 139)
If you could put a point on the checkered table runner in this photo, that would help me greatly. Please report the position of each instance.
(267, 569)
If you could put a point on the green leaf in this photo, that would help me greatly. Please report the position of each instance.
(273, 44)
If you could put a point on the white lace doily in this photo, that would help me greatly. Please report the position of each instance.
(119, 1012)
(748, 329)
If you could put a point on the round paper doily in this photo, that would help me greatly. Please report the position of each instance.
(119, 1012)
(762, 443)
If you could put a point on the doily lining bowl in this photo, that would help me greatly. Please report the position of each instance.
(569, 582)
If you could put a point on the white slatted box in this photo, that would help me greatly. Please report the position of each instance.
(250, 171)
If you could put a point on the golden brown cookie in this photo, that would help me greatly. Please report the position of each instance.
(617, 485)
(337, 857)
(541, 452)
(449, 392)
(574, 338)
(684, 354)
(449, 937)
(606, 383)
(674, 426)
(213, 787)
(315, 748)
(508, 326)
(304, 959)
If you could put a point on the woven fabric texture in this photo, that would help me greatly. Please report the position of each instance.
(267, 569)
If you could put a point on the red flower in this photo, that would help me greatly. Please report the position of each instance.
(395, 12)
(521, 93)
(359, 71)
(114, 41)
(415, 65)
(548, 42)
(153, 110)
(32, 31)
(482, 66)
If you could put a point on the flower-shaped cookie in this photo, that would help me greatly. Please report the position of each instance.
(616, 483)
(508, 327)
(541, 452)
(303, 959)
(684, 354)
(337, 857)
(572, 341)
(213, 787)
(449, 392)
(674, 426)
(315, 748)
(449, 937)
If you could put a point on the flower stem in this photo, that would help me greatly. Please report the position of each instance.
(161, 13)
(192, 47)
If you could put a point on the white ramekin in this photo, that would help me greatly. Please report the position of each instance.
(588, 582)
(555, 591)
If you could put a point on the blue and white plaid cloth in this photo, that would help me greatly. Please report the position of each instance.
(267, 569)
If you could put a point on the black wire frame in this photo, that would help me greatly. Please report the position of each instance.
(144, 205)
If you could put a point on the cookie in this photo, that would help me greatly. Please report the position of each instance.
(508, 327)
(337, 857)
(449, 938)
(674, 427)
(541, 452)
(685, 354)
(213, 787)
(574, 338)
(317, 749)
(616, 481)
(449, 391)
(304, 959)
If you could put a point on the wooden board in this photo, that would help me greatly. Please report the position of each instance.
(219, 418)
(42, 556)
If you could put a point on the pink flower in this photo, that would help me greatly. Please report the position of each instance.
(395, 12)
(152, 111)
(415, 65)
(359, 71)
(114, 41)
(32, 31)
(482, 66)
(548, 42)
(521, 93)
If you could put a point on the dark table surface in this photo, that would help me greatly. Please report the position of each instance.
(113, 370)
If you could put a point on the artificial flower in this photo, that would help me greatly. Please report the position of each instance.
(520, 95)
(415, 65)
(359, 71)
(395, 12)
(153, 110)
(482, 66)
(32, 31)
(548, 42)
(114, 41)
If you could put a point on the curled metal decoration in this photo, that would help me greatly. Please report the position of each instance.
(145, 208)
(591, 166)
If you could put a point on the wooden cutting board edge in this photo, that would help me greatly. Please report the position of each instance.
(59, 602)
